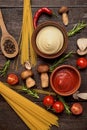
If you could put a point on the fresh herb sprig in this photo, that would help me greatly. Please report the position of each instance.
(60, 61)
(32, 93)
(23, 88)
(67, 108)
(77, 28)
(3, 70)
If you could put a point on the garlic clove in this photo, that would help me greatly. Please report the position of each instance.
(82, 95)
(82, 43)
(78, 95)
(27, 65)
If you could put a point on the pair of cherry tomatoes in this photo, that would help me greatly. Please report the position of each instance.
(57, 106)
(81, 63)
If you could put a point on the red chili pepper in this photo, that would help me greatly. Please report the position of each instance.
(39, 12)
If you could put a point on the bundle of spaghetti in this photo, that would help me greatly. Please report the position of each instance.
(16, 108)
(33, 115)
(26, 49)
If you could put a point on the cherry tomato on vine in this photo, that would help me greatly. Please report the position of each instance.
(48, 101)
(76, 108)
(12, 79)
(58, 107)
(82, 63)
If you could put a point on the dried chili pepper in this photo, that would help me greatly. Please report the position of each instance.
(39, 12)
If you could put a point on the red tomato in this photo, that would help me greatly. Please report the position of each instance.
(48, 101)
(81, 62)
(12, 79)
(76, 109)
(58, 107)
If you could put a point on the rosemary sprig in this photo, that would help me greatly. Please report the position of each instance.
(60, 61)
(77, 28)
(41, 91)
(23, 88)
(67, 108)
(4, 69)
(32, 92)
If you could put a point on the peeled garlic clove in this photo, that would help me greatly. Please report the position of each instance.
(82, 43)
(27, 65)
(82, 95)
(78, 95)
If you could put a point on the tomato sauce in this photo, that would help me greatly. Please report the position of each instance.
(65, 80)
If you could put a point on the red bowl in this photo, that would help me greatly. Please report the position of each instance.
(65, 80)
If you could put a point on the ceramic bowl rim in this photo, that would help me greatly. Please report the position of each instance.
(73, 90)
(42, 25)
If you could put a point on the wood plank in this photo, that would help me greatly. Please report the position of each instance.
(9, 120)
(11, 3)
(59, 3)
(41, 3)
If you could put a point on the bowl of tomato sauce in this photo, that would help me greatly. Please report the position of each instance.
(65, 80)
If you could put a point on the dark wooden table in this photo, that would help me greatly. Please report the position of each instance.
(12, 13)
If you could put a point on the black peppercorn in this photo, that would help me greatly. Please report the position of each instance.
(9, 47)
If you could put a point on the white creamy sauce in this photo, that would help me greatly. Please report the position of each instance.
(49, 40)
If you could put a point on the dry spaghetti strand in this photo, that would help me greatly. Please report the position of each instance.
(41, 118)
(27, 52)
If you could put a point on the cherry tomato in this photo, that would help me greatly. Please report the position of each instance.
(48, 101)
(12, 79)
(81, 62)
(76, 109)
(58, 107)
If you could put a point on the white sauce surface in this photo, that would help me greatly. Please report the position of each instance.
(49, 40)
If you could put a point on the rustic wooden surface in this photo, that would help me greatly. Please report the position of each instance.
(12, 13)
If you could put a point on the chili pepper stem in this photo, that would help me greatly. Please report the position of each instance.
(54, 15)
